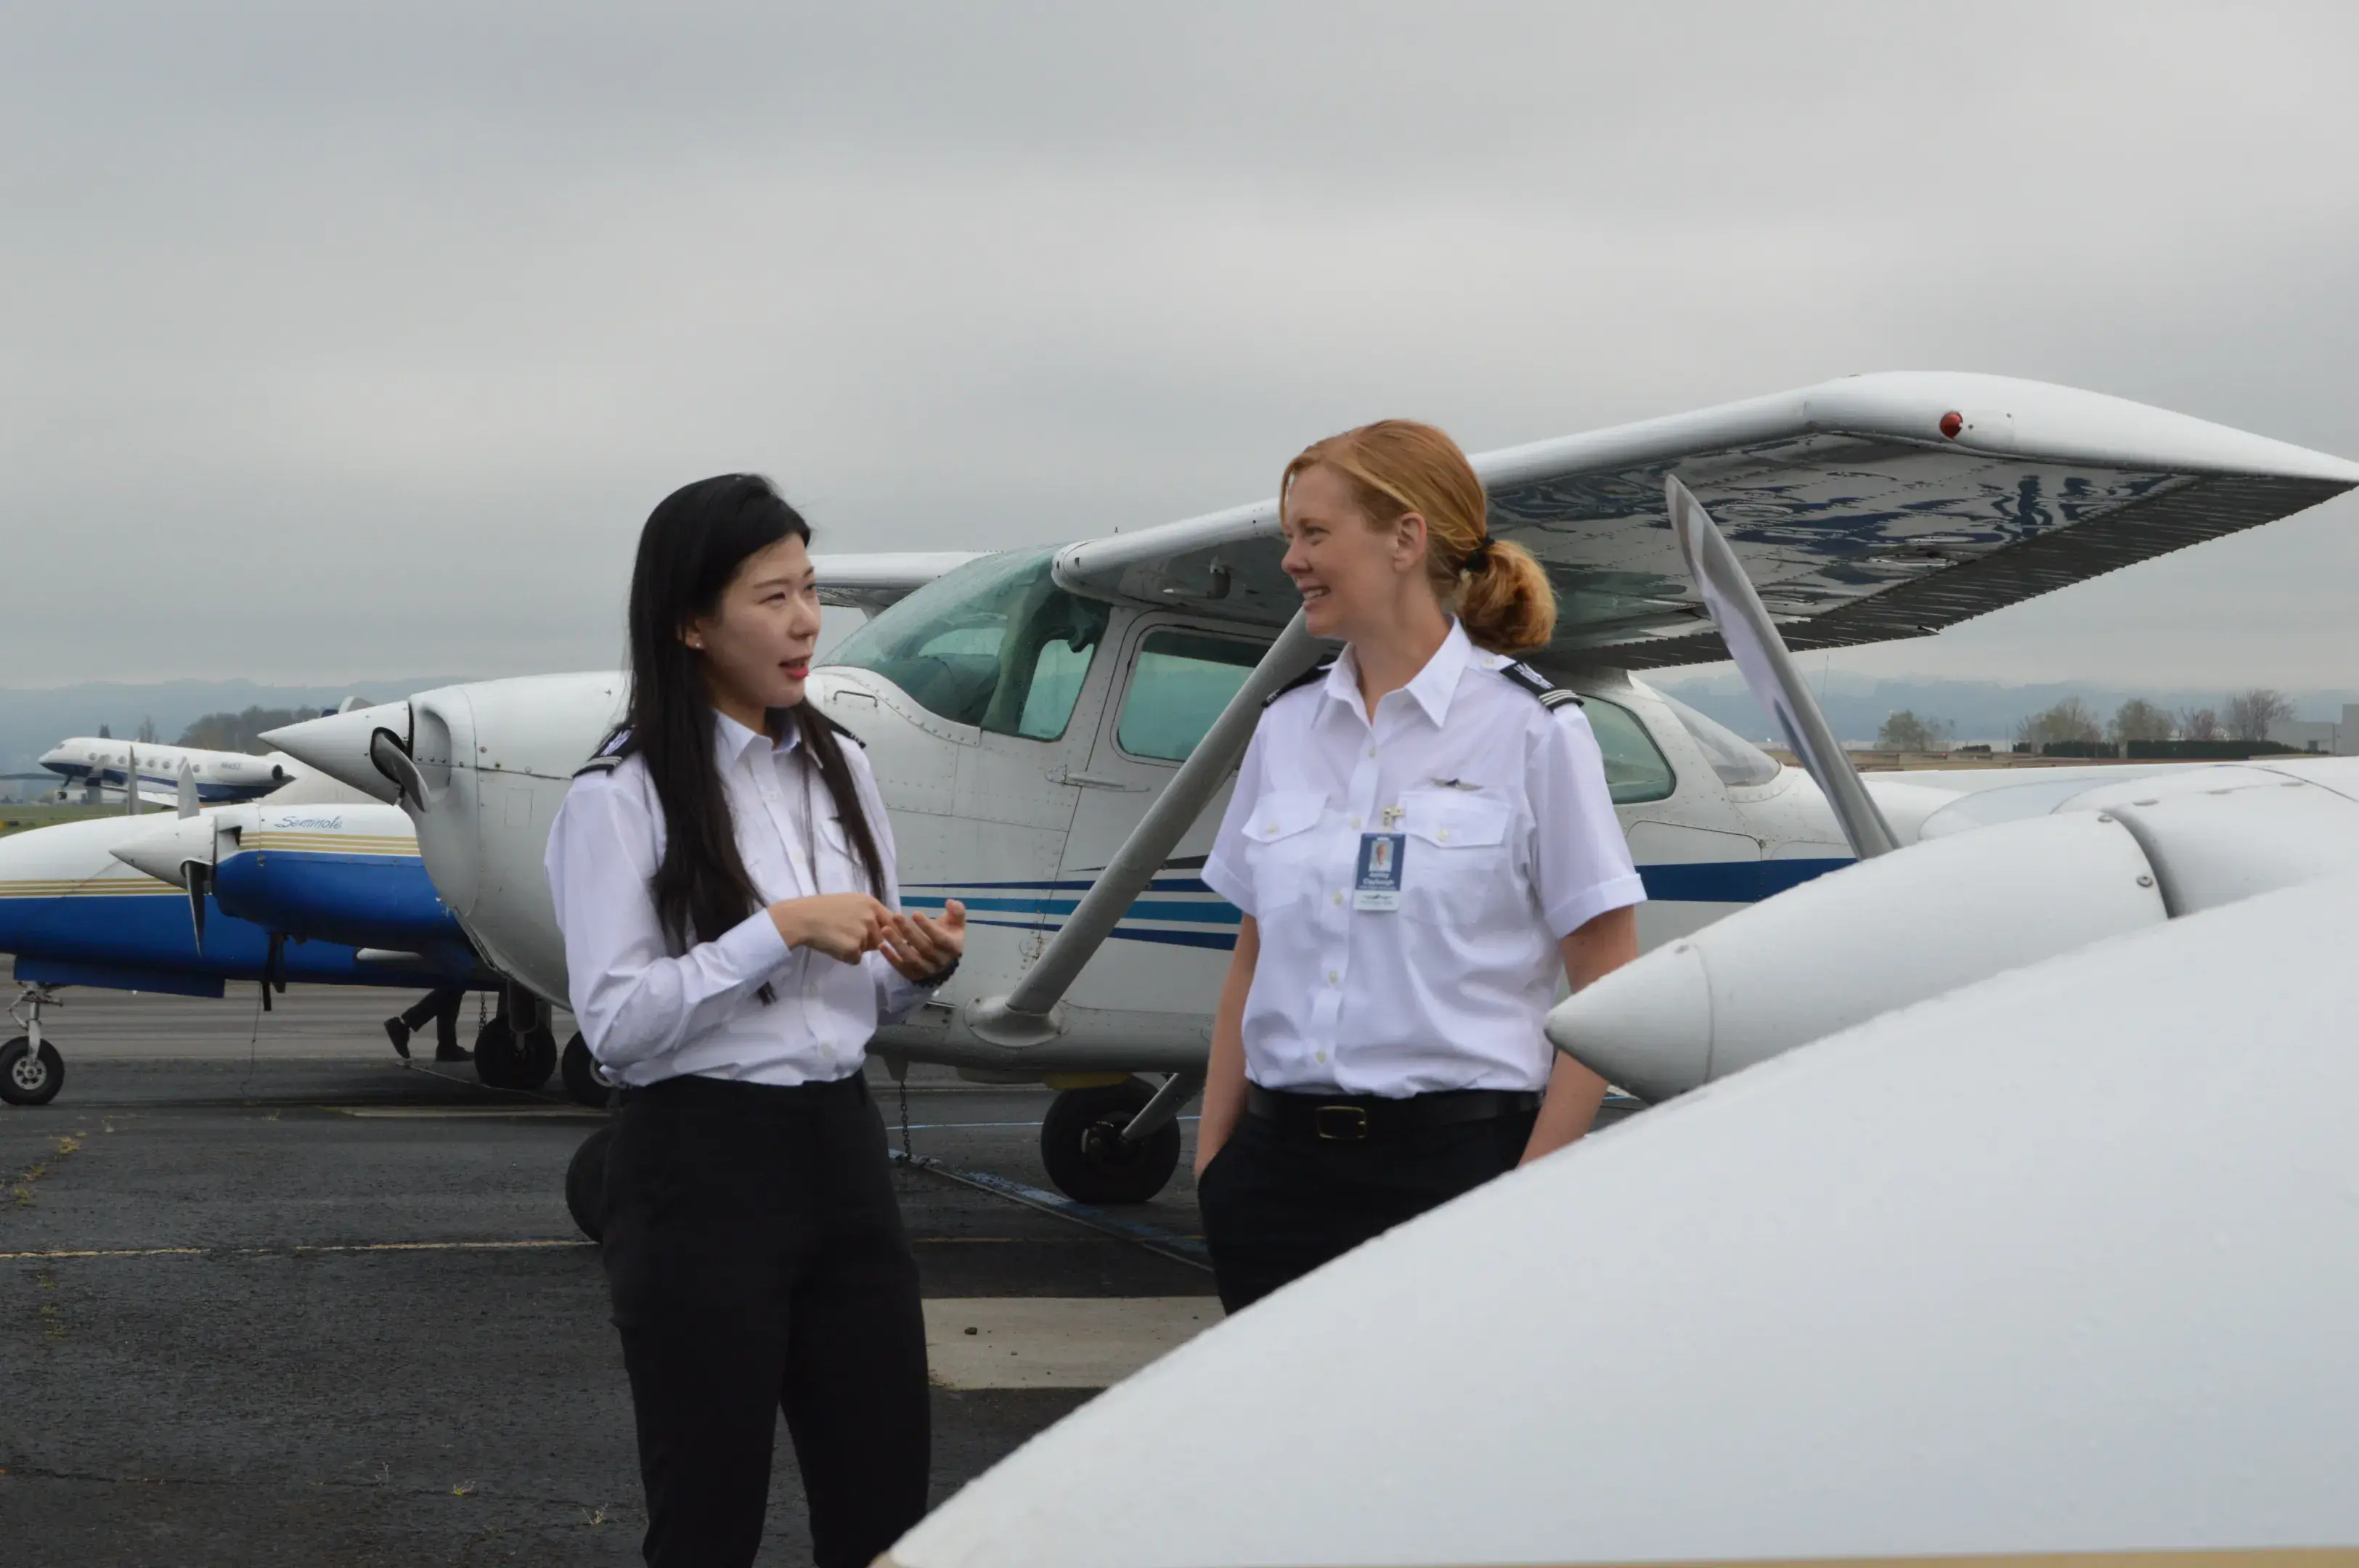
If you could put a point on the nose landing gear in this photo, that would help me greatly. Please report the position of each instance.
(514, 1050)
(31, 1071)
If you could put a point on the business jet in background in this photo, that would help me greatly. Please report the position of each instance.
(103, 770)
(1054, 731)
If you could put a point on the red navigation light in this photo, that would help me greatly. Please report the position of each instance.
(1952, 423)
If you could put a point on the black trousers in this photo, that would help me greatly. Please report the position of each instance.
(1280, 1201)
(441, 1004)
(756, 1253)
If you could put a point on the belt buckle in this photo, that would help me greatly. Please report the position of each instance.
(1340, 1123)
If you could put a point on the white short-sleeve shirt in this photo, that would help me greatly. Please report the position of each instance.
(1510, 844)
(650, 1012)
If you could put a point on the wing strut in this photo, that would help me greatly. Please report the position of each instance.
(1029, 1015)
(1769, 669)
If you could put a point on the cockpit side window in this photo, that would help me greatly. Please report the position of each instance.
(1636, 768)
(1738, 761)
(1181, 682)
(995, 644)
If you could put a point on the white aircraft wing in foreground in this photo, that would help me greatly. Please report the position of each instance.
(2061, 1263)
(1054, 730)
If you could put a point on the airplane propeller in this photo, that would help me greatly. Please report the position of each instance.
(197, 878)
(1769, 669)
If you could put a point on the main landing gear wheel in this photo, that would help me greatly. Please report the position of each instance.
(28, 1076)
(503, 1060)
(1080, 1143)
(586, 1184)
(585, 1080)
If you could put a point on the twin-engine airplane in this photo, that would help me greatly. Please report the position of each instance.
(308, 887)
(1054, 730)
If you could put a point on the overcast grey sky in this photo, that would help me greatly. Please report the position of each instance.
(343, 339)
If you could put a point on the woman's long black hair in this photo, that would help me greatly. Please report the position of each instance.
(695, 541)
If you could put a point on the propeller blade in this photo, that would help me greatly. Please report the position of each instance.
(199, 879)
(1769, 670)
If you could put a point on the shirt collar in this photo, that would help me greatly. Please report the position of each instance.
(731, 740)
(1432, 687)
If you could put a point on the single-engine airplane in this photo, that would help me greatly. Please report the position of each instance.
(2004, 1262)
(1054, 729)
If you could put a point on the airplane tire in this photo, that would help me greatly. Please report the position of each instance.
(1080, 1143)
(536, 1060)
(586, 1184)
(30, 1077)
(498, 1062)
(585, 1082)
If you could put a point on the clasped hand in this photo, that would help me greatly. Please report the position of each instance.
(843, 925)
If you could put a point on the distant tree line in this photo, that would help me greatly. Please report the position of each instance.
(2245, 717)
(241, 731)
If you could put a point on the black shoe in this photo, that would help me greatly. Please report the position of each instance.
(398, 1032)
(454, 1051)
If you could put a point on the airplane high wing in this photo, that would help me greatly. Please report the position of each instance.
(1053, 729)
(1866, 509)
(872, 582)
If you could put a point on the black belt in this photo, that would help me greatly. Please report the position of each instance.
(694, 1091)
(1356, 1119)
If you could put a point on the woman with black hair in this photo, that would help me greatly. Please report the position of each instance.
(722, 874)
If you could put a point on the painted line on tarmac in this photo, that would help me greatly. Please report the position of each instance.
(1187, 1250)
(550, 1244)
(1056, 1342)
(469, 1112)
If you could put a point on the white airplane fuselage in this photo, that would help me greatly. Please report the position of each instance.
(112, 766)
(1017, 827)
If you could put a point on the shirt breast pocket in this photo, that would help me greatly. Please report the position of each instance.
(1461, 867)
(1281, 848)
(839, 869)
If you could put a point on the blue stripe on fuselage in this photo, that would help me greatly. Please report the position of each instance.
(134, 932)
(366, 900)
(1702, 881)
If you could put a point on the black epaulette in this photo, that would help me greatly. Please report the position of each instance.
(609, 757)
(1316, 672)
(1546, 691)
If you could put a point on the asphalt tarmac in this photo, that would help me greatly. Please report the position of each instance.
(266, 1295)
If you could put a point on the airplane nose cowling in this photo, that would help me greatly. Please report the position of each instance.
(338, 745)
(1881, 934)
(163, 854)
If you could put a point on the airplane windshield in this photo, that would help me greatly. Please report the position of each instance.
(1737, 760)
(995, 644)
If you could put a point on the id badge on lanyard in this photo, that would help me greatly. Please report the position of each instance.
(1377, 884)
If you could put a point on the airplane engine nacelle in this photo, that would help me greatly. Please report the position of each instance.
(1950, 911)
(1856, 942)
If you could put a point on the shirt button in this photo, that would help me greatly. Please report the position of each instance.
(1371, 751)
(1331, 977)
(1339, 898)
(1320, 1054)
(1355, 822)
(1444, 836)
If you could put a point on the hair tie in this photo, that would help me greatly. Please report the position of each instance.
(1478, 558)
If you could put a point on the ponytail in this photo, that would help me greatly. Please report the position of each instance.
(1506, 603)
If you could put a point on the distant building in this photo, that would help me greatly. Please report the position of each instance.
(2340, 739)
